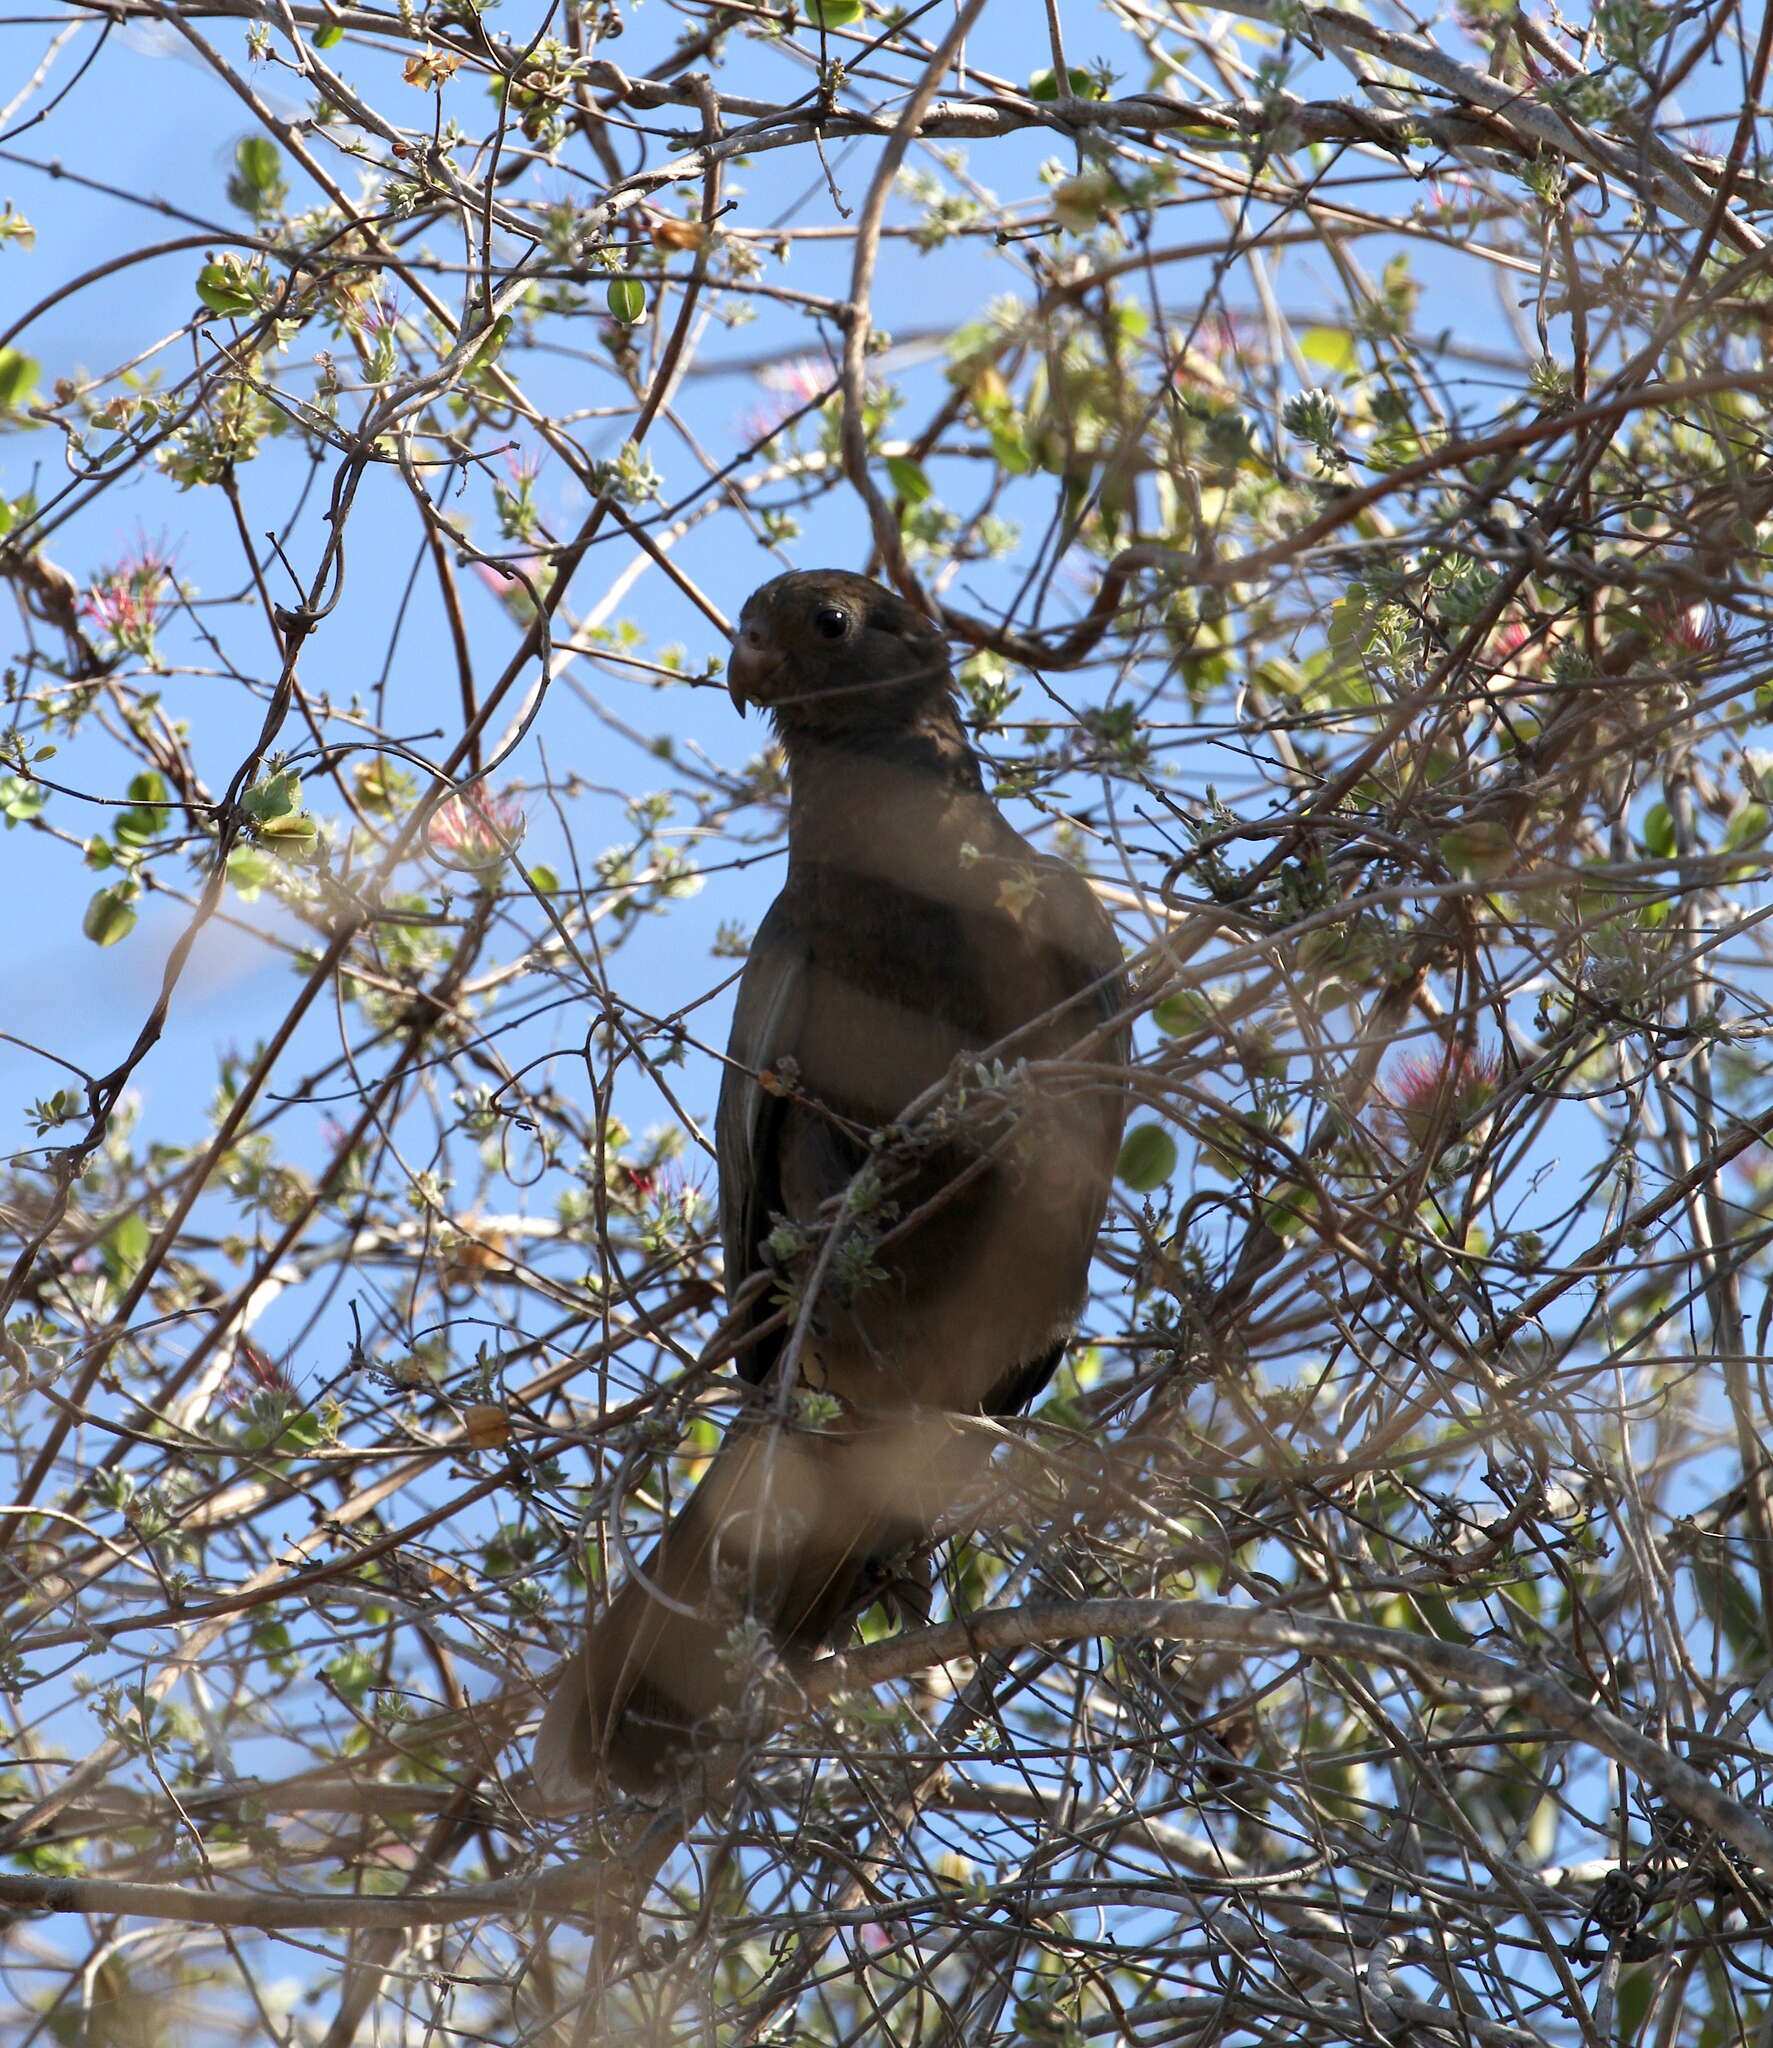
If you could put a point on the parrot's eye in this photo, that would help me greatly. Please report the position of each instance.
(830, 622)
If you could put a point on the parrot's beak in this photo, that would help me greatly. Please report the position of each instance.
(753, 661)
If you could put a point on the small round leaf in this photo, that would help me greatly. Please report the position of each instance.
(626, 298)
(1147, 1159)
(18, 375)
(221, 291)
(110, 915)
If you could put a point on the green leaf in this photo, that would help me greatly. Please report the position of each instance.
(220, 291)
(18, 378)
(137, 828)
(257, 160)
(124, 1246)
(52, 1859)
(327, 36)
(353, 1673)
(276, 798)
(1079, 203)
(1289, 1209)
(1349, 620)
(303, 1431)
(1331, 346)
(1043, 86)
(1175, 1016)
(145, 820)
(834, 13)
(1747, 828)
(21, 799)
(626, 299)
(908, 479)
(297, 833)
(249, 870)
(275, 807)
(1659, 832)
(544, 879)
(1480, 851)
(1635, 1988)
(1011, 451)
(1732, 1609)
(1147, 1159)
(497, 336)
(110, 915)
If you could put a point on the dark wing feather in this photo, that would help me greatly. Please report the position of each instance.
(747, 1124)
(1077, 924)
(1084, 929)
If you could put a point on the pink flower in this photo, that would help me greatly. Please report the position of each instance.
(793, 386)
(662, 1196)
(1433, 1096)
(1205, 363)
(1449, 198)
(128, 601)
(805, 379)
(253, 1373)
(1688, 628)
(512, 594)
(475, 830)
(1513, 645)
(379, 316)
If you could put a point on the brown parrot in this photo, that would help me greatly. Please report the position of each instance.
(916, 937)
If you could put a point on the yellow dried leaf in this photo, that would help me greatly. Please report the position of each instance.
(1016, 892)
(670, 233)
(486, 1425)
(430, 67)
(480, 1255)
(1079, 203)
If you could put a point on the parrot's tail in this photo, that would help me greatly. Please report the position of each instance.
(779, 1546)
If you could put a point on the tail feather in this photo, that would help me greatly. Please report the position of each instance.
(785, 1530)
